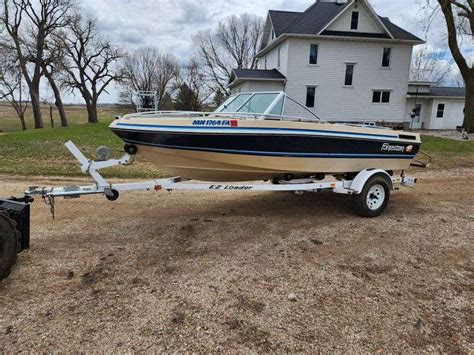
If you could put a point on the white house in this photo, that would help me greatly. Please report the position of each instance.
(340, 59)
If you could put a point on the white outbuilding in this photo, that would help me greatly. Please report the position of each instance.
(432, 107)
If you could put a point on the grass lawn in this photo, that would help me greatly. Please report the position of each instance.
(447, 153)
(42, 152)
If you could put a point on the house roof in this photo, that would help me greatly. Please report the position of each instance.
(319, 15)
(281, 20)
(239, 75)
(442, 92)
(398, 32)
(316, 17)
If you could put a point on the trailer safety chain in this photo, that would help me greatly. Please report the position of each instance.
(49, 201)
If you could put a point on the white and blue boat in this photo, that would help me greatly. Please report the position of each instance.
(248, 138)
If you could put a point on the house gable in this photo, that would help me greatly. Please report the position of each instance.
(367, 22)
(332, 18)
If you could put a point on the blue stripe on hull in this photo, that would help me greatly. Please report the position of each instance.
(277, 154)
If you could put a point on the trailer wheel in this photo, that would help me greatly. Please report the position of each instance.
(130, 149)
(373, 199)
(113, 196)
(9, 239)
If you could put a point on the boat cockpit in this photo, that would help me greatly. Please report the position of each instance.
(263, 105)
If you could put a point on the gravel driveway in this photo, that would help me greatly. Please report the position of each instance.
(246, 272)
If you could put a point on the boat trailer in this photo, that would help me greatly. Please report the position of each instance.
(370, 189)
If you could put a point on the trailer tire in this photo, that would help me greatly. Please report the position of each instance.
(373, 199)
(114, 196)
(9, 243)
(130, 149)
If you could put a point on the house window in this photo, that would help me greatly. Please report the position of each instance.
(440, 111)
(379, 96)
(310, 96)
(279, 58)
(349, 74)
(387, 55)
(273, 34)
(313, 54)
(355, 20)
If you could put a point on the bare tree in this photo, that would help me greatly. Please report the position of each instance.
(29, 25)
(234, 44)
(89, 62)
(459, 18)
(147, 69)
(193, 92)
(52, 64)
(12, 87)
(431, 66)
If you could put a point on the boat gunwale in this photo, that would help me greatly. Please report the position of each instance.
(245, 130)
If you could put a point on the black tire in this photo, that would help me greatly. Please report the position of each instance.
(114, 197)
(379, 201)
(9, 242)
(130, 149)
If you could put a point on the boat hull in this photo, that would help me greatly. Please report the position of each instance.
(207, 166)
(244, 150)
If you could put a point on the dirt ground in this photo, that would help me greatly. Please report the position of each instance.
(246, 272)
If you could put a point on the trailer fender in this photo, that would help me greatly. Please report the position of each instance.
(361, 179)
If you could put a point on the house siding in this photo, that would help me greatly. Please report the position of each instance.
(258, 86)
(453, 114)
(334, 101)
(243, 87)
(272, 59)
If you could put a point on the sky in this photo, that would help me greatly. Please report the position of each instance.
(170, 24)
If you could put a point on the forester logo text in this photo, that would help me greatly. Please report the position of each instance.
(216, 123)
(387, 147)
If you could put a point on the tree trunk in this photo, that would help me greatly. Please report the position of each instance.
(22, 120)
(92, 113)
(469, 108)
(58, 100)
(51, 116)
(36, 106)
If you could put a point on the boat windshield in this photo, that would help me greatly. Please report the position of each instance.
(258, 103)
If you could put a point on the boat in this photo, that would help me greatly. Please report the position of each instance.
(249, 138)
